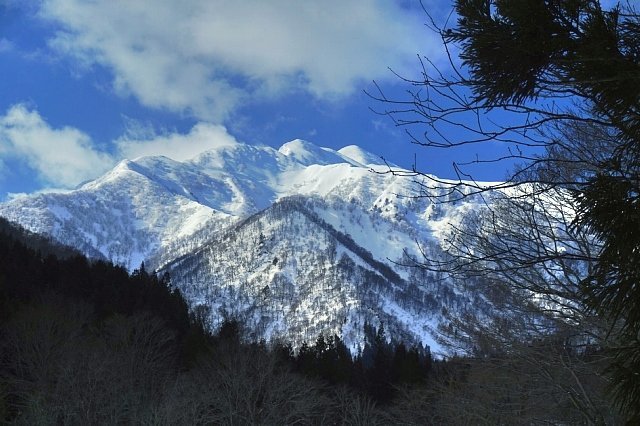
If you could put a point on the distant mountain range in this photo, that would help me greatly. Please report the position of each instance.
(295, 242)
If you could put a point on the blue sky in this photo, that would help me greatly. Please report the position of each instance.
(87, 83)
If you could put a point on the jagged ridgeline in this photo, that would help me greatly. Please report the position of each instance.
(296, 241)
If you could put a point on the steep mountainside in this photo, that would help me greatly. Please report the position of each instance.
(297, 241)
(290, 276)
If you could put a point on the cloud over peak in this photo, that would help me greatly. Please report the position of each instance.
(208, 57)
(65, 157)
(178, 146)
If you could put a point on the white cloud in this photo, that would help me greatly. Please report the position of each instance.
(207, 57)
(63, 156)
(5, 45)
(177, 146)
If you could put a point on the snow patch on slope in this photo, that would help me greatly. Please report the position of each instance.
(360, 155)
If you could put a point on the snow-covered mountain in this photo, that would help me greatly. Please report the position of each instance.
(297, 241)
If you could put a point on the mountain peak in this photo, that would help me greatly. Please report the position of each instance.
(297, 147)
(306, 153)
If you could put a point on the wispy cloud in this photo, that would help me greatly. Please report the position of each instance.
(59, 156)
(178, 146)
(16, 195)
(5, 45)
(208, 57)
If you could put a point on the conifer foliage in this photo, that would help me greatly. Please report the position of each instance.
(377, 370)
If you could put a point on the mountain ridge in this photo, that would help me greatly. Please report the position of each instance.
(163, 212)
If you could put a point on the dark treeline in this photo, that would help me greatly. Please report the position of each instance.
(377, 370)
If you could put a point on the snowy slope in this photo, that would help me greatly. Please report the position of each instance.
(291, 276)
(128, 214)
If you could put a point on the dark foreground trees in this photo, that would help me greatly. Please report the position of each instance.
(558, 83)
